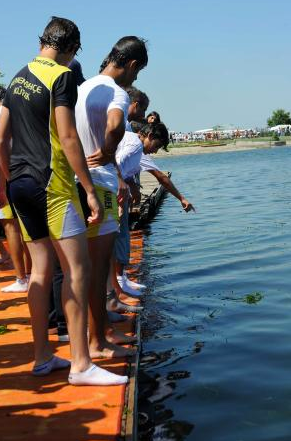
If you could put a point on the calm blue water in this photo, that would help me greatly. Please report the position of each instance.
(223, 364)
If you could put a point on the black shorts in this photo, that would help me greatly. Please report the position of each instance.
(43, 213)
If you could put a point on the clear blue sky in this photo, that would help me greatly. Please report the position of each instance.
(210, 62)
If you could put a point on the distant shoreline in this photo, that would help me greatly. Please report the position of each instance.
(232, 147)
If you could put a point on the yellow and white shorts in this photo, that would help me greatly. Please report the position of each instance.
(110, 222)
(44, 213)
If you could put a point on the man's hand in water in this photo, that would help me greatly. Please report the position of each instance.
(187, 206)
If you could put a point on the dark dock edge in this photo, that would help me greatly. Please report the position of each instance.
(129, 424)
(152, 196)
(139, 217)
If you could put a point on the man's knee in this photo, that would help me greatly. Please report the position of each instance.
(42, 278)
(80, 271)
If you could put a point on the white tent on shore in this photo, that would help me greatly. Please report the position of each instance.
(280, 127)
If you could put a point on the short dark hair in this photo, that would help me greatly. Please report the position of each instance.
(2, 93)
(157, 130)
(136, 95)
(62, 35)
(126, 49)
(158, 118)
(137, 126)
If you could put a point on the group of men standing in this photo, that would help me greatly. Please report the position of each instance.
(58, 150)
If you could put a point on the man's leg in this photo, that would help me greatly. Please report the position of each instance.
(43, 260)
(57, 320)
(100, 249)
(37, 217)
(70, 251)
(75, 263)
(27, 259)
(59, 313)
(13, 236)
(14, 239)
(122, 254)
(114, 302)
(4, 255)
(57, 294)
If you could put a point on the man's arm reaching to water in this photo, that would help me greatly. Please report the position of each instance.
(166, 182)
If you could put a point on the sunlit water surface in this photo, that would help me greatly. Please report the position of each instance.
(217, 325)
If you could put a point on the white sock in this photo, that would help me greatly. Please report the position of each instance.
(132, 284)
(53, 364)
(126, 288)
(95, 376)
(20, 285)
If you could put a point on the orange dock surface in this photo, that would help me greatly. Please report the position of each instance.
(48, 408)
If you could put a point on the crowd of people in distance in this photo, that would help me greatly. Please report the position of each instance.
(282, 129)
(71, 151)
(212, 134)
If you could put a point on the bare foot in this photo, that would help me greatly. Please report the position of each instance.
(118, 338)
(111, 351)
(125, 296)
(117, 306)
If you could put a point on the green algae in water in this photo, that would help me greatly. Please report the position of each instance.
(253, 298)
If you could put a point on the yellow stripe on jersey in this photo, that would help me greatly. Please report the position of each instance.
(62, 177)
(39, 67)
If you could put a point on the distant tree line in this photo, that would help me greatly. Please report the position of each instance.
(279, 117)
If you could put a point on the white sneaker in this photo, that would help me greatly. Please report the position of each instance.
(96, 376)
(53, 364)
(126, 288)
(20, 285)
(133, 284)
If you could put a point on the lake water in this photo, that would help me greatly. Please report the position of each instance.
(217, 325)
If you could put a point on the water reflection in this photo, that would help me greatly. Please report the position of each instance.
(156, 421)
(173, 430)
(216, 330)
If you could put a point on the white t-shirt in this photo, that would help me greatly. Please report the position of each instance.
(128, 155)
(147, 163)
(96, 97)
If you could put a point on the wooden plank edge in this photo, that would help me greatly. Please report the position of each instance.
(129, 424)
